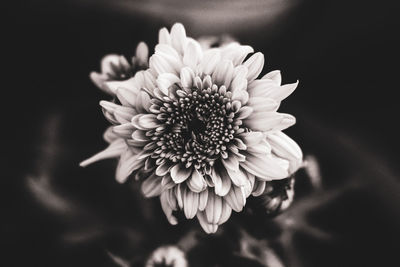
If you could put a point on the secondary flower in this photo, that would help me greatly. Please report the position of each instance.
(199, 129)
(116, 67)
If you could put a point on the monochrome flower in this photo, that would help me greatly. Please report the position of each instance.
(199, 129)
(116, 67)
(169, 255)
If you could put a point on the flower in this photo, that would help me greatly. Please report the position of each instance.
(199, 129)
(168, 255)
(116, 67)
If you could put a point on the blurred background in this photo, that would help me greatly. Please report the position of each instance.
(343, 52)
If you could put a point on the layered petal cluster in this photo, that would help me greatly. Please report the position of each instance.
(199, 129)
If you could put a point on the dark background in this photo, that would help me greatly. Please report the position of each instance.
(343, 52)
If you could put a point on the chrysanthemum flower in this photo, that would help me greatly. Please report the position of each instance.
(199, 129)
(116, 67)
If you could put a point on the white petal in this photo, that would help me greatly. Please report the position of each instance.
(283, 91)
(261, 88)
(207, 227)
(167, 209)
(236, 198)
(225, 213)
(236, 53)
(178, 37)
(263, 104)
(167, 183)
(252, 138)
(115, 149)
(213, 209)
(171, 198)
(160, 65)
(130, 84)
(248, 187)
(285, 147)
(262, 148)
(121, 113)
(259, 187)
(139, 139)
(128, 163)
(163, 169)
(165, 80)
(142, 104)
(207, 82)
(223, 73)
(180, 173)
(239, 82)
(274, 75)
(255, 65)
(244, 112)
(192, 55)
(164, 37)
(196, 182)
(231, 163)
(222, 182)
(145, 121)
(266, 168)
(151, 186)
(149, 81)
(142, 53)
(241, 93)
(203, 198)
(267, 121)
(190, 203)
(167, 51)
(210, 59)
(238, 177)
(187, 76)
(240, 73)
(99, 80)
(124, 130)
(179, 195)
(126, 97)
(109, 136)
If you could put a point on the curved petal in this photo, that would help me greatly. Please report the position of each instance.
(225, 213)
(190, 203)
(236, 198)
(129, 162)
(222, 182)
(268, 121)
(167, 208)
(210, 59)
(213, 209)
(203, 198)
(196, 182)
(178, 37)
(255, 65)
(151, 186)
(274, 75)
(267, 167)
(180, 173)
(223, 73)
(115, 149)
(192, 54)
(207, 227)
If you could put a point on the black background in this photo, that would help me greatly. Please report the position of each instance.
(343, 52)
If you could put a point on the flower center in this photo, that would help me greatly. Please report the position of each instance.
(195, 127)
(198, 126)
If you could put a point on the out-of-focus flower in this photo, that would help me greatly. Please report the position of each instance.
(116, 67)
(170, 256)
(278, 195)
(199, 129)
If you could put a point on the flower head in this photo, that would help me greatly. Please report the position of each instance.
(116, 67)
(199, 129)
